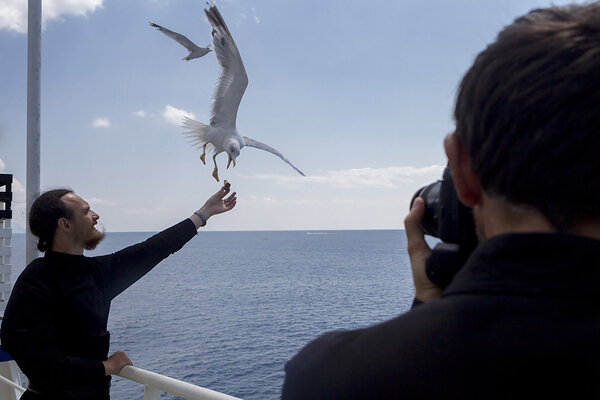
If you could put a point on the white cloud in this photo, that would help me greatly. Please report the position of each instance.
(13, 13)
(365, 202)
(256, 19)
(174, 115)
(269, 201)
(159, 210)
(303, 202)
(386, 178)
(18, 192)
(17, 189)
(140, 113)
(101, 122)
(244, 15)
(94, 201)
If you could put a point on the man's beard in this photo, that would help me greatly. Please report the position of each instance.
(95, 241)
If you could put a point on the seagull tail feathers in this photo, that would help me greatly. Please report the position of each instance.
(195, 131)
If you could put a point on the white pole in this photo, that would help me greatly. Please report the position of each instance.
(34, 67)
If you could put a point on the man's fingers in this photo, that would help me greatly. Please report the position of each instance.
(230, 198)
(115, 363)
(230, 201)
(414, 231)
(123, 361)
(224, 190)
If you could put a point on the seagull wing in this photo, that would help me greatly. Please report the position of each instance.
(179, 38)
(233, 79)
(258, 145)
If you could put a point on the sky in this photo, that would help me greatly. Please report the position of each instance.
(358, 95)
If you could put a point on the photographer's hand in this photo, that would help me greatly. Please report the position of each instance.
(419, 251)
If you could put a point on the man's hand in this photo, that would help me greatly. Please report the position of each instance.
(419, 251)
(116, 362)
(217, 204)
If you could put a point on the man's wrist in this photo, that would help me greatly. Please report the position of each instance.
(203, 217)
(200, 217)
(107, 368)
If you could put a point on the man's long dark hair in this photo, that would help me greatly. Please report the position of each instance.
(45, 212)
(528, 111)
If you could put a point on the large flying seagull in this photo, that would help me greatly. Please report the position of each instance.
(221, 135)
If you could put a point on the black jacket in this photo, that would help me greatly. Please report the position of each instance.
(55, 321)
(520, 320)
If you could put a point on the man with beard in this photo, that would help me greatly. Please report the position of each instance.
(55, 321)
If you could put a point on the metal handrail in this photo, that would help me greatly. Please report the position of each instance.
(155, 384)
(10, 383)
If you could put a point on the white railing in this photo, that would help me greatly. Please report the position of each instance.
(10, 381)
(155, 384)
(12, 384)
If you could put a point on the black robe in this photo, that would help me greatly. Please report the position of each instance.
(55, 321)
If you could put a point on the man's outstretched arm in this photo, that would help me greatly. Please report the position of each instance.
(118, 271)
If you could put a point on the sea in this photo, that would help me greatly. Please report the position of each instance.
(229, 309)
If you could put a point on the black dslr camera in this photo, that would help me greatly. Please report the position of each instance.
(449, 220)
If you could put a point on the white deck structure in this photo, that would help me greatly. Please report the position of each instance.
(9, 372)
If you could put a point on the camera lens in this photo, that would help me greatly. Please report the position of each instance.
(431, 195)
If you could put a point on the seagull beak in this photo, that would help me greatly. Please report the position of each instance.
(229, 161)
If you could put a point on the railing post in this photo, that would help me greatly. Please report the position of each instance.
(151, 393)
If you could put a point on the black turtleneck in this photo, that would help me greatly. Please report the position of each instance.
(55, 321)
(521, 320)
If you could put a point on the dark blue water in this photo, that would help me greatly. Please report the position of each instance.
(228, 310)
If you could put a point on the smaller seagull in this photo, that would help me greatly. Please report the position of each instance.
(195, 51)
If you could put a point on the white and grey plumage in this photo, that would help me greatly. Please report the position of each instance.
(221, 135)
(195, 51)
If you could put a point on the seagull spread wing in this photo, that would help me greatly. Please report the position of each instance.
(258, 145)
(195, 51)
(233, 79)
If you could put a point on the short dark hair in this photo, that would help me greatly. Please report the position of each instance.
(45, 212)
(528, 111)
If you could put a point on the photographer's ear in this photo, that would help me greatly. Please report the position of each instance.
(466, 183)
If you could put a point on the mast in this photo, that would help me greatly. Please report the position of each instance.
(34, 67)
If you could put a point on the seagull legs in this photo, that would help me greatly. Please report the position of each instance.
(204, 154)
(216, 170)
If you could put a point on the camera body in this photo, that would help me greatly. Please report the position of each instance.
(449, 220)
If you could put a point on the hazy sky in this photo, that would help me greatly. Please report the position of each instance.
(357, 94)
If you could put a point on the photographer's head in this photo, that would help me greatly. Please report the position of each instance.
(528, 119)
